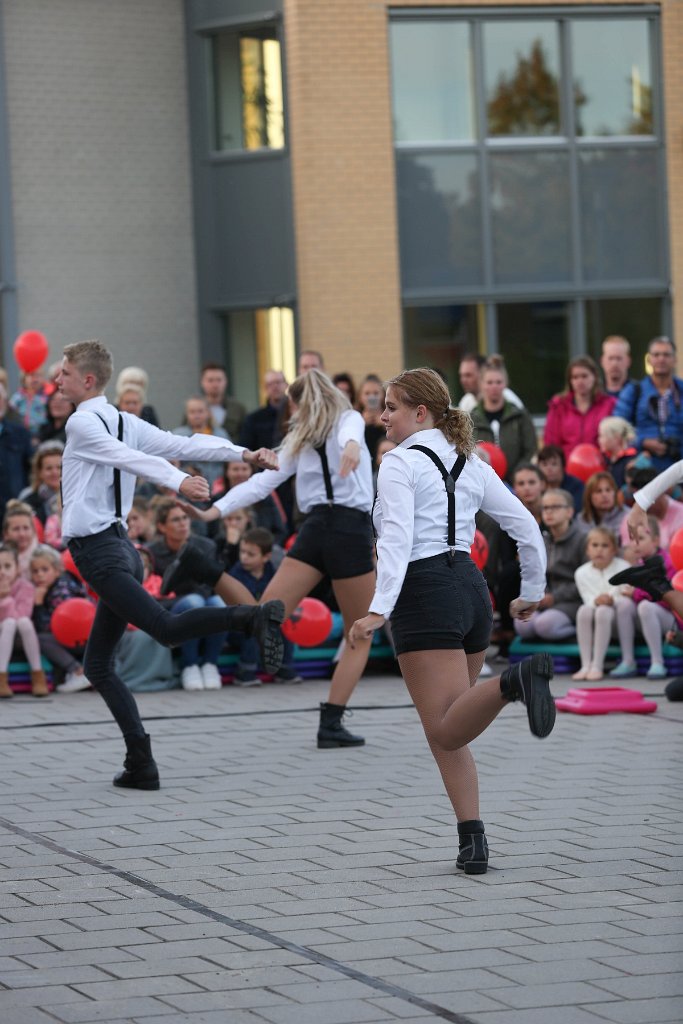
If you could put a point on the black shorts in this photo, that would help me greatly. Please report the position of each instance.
(444, 604)
(335, 540)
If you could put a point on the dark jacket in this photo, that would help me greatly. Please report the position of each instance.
(15, 460)
(517, 437)
(163, 556)
(564, 558)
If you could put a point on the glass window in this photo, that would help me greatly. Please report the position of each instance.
(439, 336)
(258, 340)
(531, 217)
(637, 320)
(522, 69)
(612, 77)
(439, 220)
(248, 100)
(620, 221)
(431, 66)
(533, 338)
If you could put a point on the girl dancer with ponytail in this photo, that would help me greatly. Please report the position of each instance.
(325, 449)
(429, 488)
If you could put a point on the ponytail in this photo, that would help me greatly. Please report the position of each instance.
(457, 427)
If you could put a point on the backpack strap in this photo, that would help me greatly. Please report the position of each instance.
(326, 473)
(449, 478)
(117, 472)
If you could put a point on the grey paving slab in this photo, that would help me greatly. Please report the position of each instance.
(269, 882)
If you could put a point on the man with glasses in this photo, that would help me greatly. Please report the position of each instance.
(655, 406)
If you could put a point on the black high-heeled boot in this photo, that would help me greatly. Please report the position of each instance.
(139, 768)
(473, 855)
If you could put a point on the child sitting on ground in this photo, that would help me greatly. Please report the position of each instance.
(255, 570)
(53, 586)
(16, 605)
(595, 619)
(655, 619)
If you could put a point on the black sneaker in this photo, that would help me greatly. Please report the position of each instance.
(529, 681)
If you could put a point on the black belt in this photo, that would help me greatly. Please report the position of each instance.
(118, 529)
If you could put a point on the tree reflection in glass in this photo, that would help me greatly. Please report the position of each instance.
(522, 78)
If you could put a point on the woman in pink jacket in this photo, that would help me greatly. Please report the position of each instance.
(575, 415)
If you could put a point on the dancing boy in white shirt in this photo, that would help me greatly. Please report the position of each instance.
(105, 451)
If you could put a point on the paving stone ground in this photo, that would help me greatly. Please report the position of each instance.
(269, 882)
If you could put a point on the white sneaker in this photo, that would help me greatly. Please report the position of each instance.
(485, 671)
(74, 682)
(191, 678)
(211, 677)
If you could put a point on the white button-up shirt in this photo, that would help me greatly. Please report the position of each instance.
(353, 491)
(91, 455)
(411, 516)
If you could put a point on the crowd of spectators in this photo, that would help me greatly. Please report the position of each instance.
(636, 424)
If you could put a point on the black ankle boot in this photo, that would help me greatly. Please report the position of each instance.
(139, 768)
(650, 577)
(473, 857)
(190, 564)
(331, 732)
(529, 681)
(263, 622)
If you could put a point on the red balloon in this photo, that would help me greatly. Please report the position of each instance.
(72, 621)
(584, 460)
(69, 564)
(39, 528)
(499, 463)
(309, 624)
(479, 550)
(290, 542)
(30, 350)
(676, 549)
(677, 580)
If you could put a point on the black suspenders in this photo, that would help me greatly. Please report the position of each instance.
(326, 473)
(117, 472)
(449, 479)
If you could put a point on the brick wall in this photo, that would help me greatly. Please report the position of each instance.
(101, 182)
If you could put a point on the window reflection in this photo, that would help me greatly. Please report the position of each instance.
(638, 320)
(612, 77)
(248, 90)
(533, 337)
(258, 340)
(439, 336)
(530, 216)
(439, 220)
(620, 221)
(431, 66)
(522, 69)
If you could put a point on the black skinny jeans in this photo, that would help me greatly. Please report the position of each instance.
(111, 565)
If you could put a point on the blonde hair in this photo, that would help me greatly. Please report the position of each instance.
(135, 389)
(618, 427)
(15, 508)
(495, 364)
(602, 531)
(49, 554)
(91, 357)
(425, 387)
(132, 375)
(42, 452)
(320, 404)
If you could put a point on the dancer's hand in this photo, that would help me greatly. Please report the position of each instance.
(636, 517)
(204, 515)
(350, 458)
(522, 610)
(196, 488)
(362, 629)
(263, 458)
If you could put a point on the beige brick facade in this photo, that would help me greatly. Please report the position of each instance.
(343, 174)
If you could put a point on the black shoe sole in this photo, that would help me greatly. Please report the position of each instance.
(473, 867)
(540, 707)
(149, 785)
(331, 744)
(269, 635)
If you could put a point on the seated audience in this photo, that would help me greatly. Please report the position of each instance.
(574, 415)
(59, 409)
(198, 420)
(53, 586)
(46, 473)
(552, 463)
(615, 437)
(601, 504)
(140, 378)
(16, 608)
(501, 422)
(655, 406)
(595, 619)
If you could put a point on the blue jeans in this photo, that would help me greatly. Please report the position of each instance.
(211, 646)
